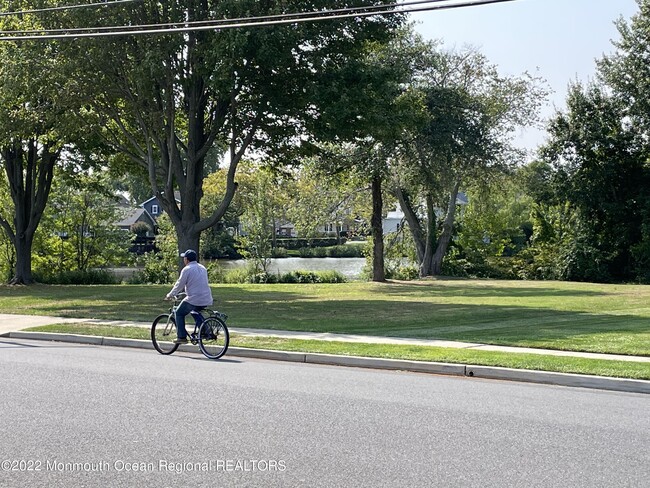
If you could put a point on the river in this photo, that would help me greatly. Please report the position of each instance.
(348, 267)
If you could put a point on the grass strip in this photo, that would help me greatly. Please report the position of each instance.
(536, 362)
(588, 317)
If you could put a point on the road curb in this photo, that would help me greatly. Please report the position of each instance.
(392, 364)
(488, 372)
(560, 379)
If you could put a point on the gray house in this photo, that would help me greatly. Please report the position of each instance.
(134, 215)
(154, 207)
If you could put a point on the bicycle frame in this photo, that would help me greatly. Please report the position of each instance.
(199, 318)
(213, 341)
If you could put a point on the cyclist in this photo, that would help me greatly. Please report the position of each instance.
(193, 280)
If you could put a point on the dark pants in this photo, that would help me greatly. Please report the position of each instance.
(183, 309)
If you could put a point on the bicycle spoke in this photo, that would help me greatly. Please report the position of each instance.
(213, 338)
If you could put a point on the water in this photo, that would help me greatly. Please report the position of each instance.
(348, 267)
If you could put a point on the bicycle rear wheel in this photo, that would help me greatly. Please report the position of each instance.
(163, 333)
(213, 338)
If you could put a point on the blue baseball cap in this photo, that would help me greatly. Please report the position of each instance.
(189, 254)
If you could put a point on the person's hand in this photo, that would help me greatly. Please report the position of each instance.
(167, 298)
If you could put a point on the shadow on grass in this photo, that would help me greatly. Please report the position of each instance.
(376, 311)
(486, 289)
(493, 324)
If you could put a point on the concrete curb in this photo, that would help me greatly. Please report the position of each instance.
(528, 376)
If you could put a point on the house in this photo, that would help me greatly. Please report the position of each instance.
(286, 229)
(154, 207)
(132, 216)
(394, 220)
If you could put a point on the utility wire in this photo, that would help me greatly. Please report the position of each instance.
(217, 22)
(218, 25)
(67, 7)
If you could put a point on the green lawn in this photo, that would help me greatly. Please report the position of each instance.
(598, 367)
(569, 316)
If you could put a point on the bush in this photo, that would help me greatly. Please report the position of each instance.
(140, 229)
(328, 276)
(279, 252)
(404, 273)
(156, 270)
(77, 277)
(293, 243)
(236, 276)
(219, 244)
(346, 251)
(216, 273)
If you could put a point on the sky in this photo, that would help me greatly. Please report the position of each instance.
(558, 40)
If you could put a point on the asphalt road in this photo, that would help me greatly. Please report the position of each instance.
(82, 416)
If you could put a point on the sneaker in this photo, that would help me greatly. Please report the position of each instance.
(180, 340)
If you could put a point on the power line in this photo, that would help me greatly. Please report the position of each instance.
(219, 25)
(216, 22)
(67, 7)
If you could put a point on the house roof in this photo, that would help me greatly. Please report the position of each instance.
(177, 196)
(131, 216)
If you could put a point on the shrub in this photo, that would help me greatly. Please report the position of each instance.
(346, 251)
(305, 252)
(156, 270)
(216, 273)
(279, 252)
(140, 229)
(328, 276)
(88, 277)
(293, 243)
(236, 276)
(404, 273)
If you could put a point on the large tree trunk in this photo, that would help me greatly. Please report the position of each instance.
(378, 271)
(430, 248)
(30, 169)
(426, 265)
(413, 223)
(445, 235)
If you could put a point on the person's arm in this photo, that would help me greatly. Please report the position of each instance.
(179, 286)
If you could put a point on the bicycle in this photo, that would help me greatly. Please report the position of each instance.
(210, 331)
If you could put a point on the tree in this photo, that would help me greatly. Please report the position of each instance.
(78, 230)
(36, 123)
(168, 101)
(367, 122)
(595, 214)
(470, 114)
(496, 219)
(627, 71)
(601, 171)
(319, 197)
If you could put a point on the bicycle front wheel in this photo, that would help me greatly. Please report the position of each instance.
(213, 338)
(163, 333)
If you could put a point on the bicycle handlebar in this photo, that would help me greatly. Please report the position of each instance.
(176, 298)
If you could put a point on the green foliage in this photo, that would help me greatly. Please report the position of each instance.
(403, 273)
(141, 229)
(77, 277)
(249, 274)
(161, 267)
(327, 276)
(297, 243)
(77, 231)
(279, 252)
(601, 173)
(216, 244)
(464, 137)
(345, 251)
